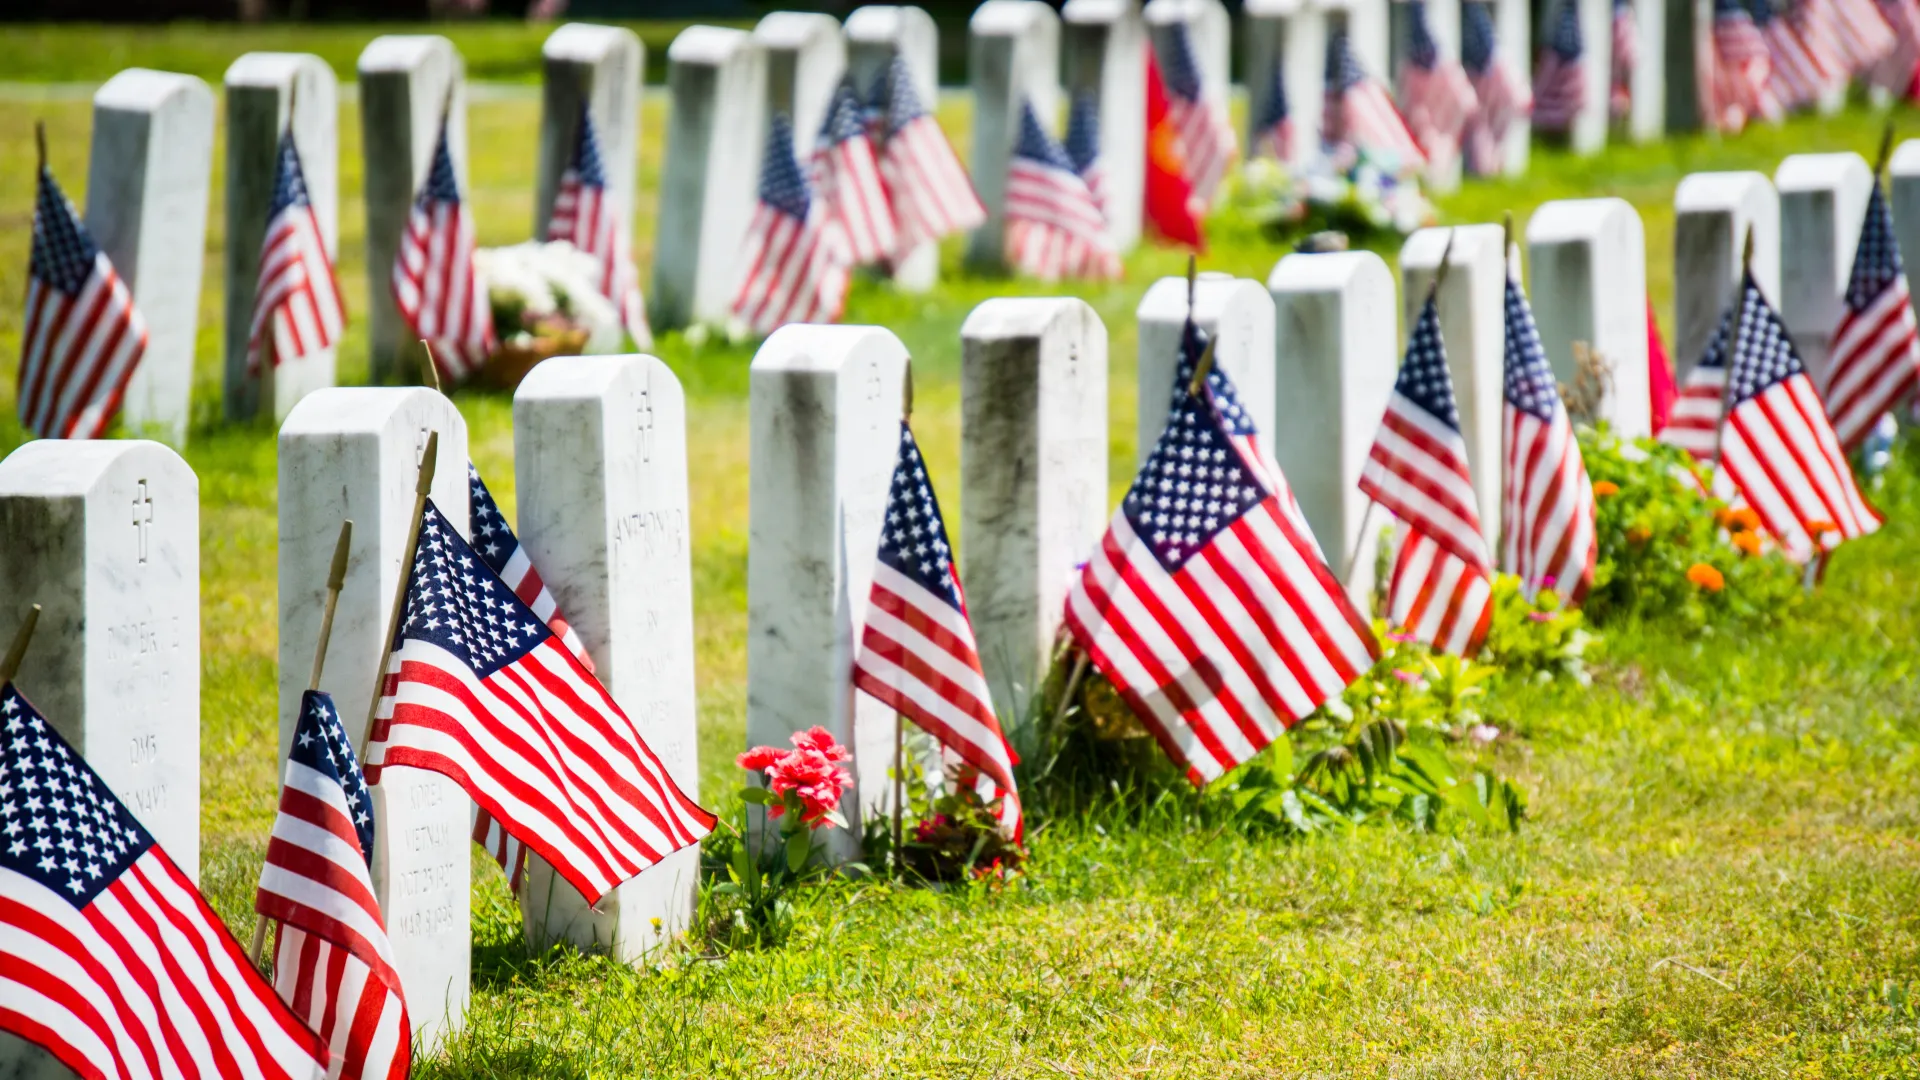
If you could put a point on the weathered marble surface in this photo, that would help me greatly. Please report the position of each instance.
(1033, 477)
(147, 189)
(600, 460)
(1587, 263)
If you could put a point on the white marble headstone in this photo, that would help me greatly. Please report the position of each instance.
(1033, 477)
(147, 191)
(606, 65)
(1903, 198)
(1103, 52)
(825, 416)
(1823, 200)
(1237, 313)
(1013, 56)
(1513, 41)
(1210, 28)
(1647, 84)
(1587, 262)
(600, 461)
(1293, 35)
(1336, 353)
(806, 59)
(1684, 44)
(260, 88)
(710, 181)
(1589, 133)
(1472, 306)
(876, 34)
(353, 453)
(105, 537)
(407, 81)
(1711, 215)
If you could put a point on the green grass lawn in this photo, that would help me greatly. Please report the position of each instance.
(1719, 878)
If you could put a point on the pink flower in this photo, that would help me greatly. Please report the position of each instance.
(1540, 616)
(810, 771)
(1482, 734)
(1411, 678)
(1400, 636)
(1547, 580)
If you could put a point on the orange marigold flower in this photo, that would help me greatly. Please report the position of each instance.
(1604, 488)
(1638, 534)
(1706, 577)
(1745, 518)
(1748, 542)
(1822, 528)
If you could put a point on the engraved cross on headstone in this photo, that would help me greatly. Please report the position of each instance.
(142, 518)
(644, 422)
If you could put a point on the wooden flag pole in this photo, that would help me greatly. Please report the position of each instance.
(40, 140)
(1886, 151)
(420, 490)
(336, 580)
(1359, 544)
(1733, 351)
(433, 368)
(10, 664)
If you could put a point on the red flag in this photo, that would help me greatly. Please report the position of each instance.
(1662, 391)
(1170, 207)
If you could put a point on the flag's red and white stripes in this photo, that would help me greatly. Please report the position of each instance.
(1417, 470)
(1781, 453)
(1875, 350)
(846, 180)
(1548, 513)
(1054, 226)
(930, 193)
(1695, 424)
(296, 299)
(798, 270)
(360, 1017)
(1438, 102)
(1437, 597)
(584, 216)
(435, 283)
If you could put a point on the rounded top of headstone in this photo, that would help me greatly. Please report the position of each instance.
(794, 29)
(1423, 249)
(1097, 12)
(1010, 17)
(572, 378)
(813, 347)
(590, 42)
(147, 90)
(364, 409)
(1819, 172)
(77, 466)
(1327, 271)
(1164, 12)
(275, 69)
(403, 52)
(886, 22)
(1166, 299)
(1274, 8)
(1719, 190)
(1906, 159)
(1561, 220)
(1024, 316)
(707, 45)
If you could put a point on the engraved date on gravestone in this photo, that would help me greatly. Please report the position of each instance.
(438, 919)
(424, 880)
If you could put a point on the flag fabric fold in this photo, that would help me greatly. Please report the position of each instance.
(931, 194)
(110, 959)
(918, 654)
(333, 963)
(1547, 509)
(584, 215)
(1436, 96)
(1207, 144)
(797, 261)
(1560, 77)
(478, 689)
(1626, 53)
(1875, 351)
(846, 179)
(1499, 97)
(297, 309)
(1170, 209)
(1740, 87)
(82, 338)
(1208, 605)
(1083, 148)
(1358, 114)
(435, 282)
(1054, 227)
(1695, 422)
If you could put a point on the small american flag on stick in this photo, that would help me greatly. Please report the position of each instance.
(1498, 95)
(917, 652)
(1695, 424)
(435, 282)
(1548, 510)
(846, 179)
(1441, 588)
(1205, 134)
(1208, 605)
(113, 961)
(1083, 147)
(296, 303)
(1858, 32)
(1741, 89)
(1358, 113)
(1876, 347)
(932, 196)
(1054, 227)
(333, 963)
(1801, 72)
(1273, 134)
(585, 215)
(798, 263)
(82, 337)
(1560, 79)
(1436, 96)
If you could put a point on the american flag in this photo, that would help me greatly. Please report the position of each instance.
(296, 303)
(1359, 114)
(1435, 95)
(435, 283)
(1626, 50)
(1896, 72)
(1740, 90)
(1083, 146)
(1205, 133)
(1695, 424)
(1208, 605)
(1547, 509)
(1876, 347)
(333, 964)
(82, 337)
(1054, 227)
(1560, 78)
(1441, 588)
(586, 217)
(498, 547)
(1777, 445)
(1800, 72)
(479, 690)
(931, 194)
(797, 259)
(846, 179)
(1496, 89)
(113, 962)
(917, 653)
(1273, 134)
(1858, 32)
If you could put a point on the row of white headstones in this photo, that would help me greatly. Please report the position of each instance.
(106, 535)
(151, 164)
